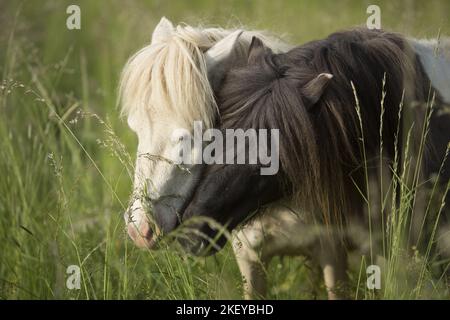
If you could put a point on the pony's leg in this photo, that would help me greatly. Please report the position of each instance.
(443, 238)
(246, 246)
(333, 261)
(316, 277)
(443, 246)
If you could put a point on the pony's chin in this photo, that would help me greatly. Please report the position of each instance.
(201, 247)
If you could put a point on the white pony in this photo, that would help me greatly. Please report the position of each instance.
(164, 88)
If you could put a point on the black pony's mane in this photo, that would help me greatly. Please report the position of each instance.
(320, 142)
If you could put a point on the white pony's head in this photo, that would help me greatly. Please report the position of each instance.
(164, 88)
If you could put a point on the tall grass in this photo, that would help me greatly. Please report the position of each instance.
(66, 159)
(406, 271)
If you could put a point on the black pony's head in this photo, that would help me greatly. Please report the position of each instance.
(269, 95)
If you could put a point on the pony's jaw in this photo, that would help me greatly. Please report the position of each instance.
(209, 217)
(201, 247)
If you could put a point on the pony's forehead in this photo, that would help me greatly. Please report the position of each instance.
(263, 74)
(156, 118)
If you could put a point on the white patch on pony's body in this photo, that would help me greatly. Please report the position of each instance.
(435, 59)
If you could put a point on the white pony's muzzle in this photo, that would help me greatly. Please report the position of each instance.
(139, 228)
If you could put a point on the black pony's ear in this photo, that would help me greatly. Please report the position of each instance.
(256, 50)
(315, 88)
(221, 57)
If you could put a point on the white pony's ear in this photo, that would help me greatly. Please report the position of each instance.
(220, 57)
(162, 31)
(257, 50)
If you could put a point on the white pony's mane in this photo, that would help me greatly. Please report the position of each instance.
(168, 79)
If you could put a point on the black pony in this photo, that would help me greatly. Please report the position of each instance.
(328, 98)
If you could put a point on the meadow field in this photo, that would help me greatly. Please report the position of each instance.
(66, 156)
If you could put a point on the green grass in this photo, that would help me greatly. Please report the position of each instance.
(65, 174)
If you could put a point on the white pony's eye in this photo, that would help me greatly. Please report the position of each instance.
(184, 138)
(180, 135)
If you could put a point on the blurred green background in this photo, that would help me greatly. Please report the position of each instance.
(63, 182)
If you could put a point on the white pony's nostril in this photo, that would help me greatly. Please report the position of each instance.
(142, 234)
(147, 233)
